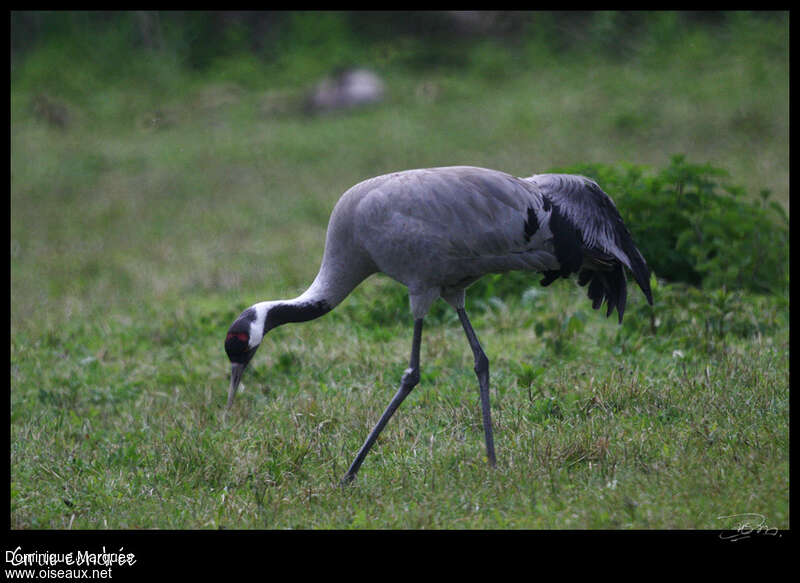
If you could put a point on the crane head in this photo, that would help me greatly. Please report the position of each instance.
(243, 339)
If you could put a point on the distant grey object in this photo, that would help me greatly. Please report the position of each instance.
(437, 231)
(346, 89)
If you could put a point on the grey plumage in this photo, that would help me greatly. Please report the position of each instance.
(437, 231)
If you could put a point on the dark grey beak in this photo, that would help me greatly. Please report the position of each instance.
(237, 369)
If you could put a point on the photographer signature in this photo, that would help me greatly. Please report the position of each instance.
(747, 524)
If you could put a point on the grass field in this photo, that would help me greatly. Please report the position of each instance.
(142, 229)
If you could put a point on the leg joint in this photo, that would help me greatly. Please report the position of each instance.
(410, 378)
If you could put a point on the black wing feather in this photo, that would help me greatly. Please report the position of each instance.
(587, 225)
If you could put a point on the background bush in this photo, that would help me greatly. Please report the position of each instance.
(693, 226)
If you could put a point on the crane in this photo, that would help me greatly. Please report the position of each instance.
(437, 231)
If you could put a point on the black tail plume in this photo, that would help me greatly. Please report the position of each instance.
(610, 287)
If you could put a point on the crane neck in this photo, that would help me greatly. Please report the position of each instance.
(328, 289)
(287, 311)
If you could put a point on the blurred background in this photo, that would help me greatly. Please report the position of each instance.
(165, 155)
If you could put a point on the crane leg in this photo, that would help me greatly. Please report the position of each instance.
(482, 371)
(407, 383)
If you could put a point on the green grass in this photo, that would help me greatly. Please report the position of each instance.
(118, 423)
(134, 246)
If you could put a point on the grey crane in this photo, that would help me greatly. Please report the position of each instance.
(437, 231)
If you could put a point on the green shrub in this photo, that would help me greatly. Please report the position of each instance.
(694, 228)
(690, 227)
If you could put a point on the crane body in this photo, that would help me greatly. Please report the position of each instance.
(437, 231)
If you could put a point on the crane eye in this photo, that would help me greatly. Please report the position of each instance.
(240, 336)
